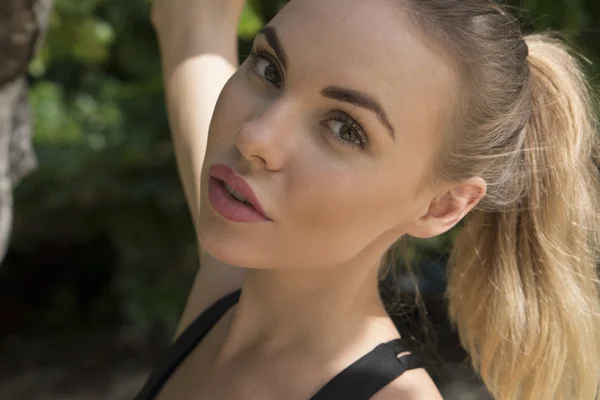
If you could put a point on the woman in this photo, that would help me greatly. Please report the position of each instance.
(351, 125)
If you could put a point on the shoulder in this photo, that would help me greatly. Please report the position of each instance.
(414, 384)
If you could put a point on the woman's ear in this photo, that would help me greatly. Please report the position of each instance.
(448, 208)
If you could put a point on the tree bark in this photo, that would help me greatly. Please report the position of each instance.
(22, 25)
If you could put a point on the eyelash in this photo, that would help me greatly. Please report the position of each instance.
(356, 127)
(260, 53)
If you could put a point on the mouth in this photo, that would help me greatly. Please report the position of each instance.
(235, 194)
(233, 197)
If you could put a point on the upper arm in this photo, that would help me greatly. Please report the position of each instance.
(197, 60)
(199, 53)
(193, 86)
(192, 89)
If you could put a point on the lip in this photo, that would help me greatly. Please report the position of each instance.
(225, 174)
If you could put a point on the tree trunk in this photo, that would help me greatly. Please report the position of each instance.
(22, 24)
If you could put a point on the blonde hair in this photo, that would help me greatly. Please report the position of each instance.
(523, 284)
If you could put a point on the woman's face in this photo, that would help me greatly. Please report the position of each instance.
(334, 123)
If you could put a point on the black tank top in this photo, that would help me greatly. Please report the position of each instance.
(359, 381)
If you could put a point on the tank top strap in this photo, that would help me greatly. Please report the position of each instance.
(410, 361)
(184, 344)
(370, 373)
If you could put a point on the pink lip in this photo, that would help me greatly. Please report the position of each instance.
(227, 175)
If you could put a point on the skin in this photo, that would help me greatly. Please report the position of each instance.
(309, 297)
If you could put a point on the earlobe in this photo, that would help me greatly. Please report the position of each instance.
(447, 209)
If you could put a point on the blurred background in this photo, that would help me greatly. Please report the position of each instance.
(102, 251)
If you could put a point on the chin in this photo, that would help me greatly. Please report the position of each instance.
(224, 251)
(230, 243)
(257, 245)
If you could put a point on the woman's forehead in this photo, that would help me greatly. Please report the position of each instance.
(369, 46)
(346, 31)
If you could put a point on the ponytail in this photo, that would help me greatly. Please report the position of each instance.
(523, 284)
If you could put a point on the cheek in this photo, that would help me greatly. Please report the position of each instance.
(340, 209)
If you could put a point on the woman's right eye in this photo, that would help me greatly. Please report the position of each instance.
(266, 68)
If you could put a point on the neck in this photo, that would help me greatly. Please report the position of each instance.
(314, 311)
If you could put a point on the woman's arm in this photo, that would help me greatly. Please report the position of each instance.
(198, 44)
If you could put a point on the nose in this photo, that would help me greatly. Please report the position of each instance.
(265, 140)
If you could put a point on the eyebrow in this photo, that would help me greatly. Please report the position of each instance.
(350, 96)
(271, 36)
(360, 99)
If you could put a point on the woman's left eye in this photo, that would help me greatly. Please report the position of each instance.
(347, 130)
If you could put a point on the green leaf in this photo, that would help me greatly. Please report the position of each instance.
(250, 23)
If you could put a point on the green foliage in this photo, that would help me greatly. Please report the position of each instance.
(106, 160)
(250, 23)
